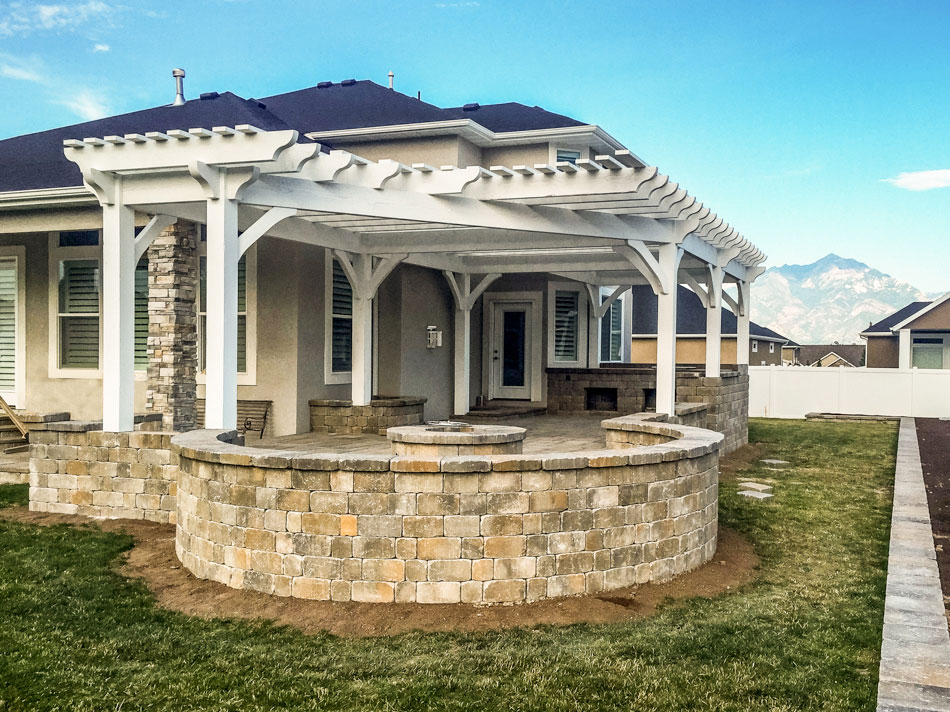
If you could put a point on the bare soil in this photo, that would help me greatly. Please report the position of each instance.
(741, 460)
(933, 436)
(153, 560)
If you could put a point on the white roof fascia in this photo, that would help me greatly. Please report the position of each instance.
(46, 197)
(703, 336)
(472, 131)
(916, 315)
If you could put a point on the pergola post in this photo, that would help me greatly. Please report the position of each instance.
(222, 306)
(365, 275)
(669, 259)
(118, 314)
(714, 322)
(465, 297)
(904, 348)
(742, 325)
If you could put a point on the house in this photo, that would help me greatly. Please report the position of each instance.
(825, 355)
(337, 244)
(790, 353)
(351, 259)
(916, 336)
(765, 346)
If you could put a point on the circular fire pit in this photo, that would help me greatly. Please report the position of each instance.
(441, 438)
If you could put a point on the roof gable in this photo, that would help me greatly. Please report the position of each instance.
(884, 326)
(512, 116)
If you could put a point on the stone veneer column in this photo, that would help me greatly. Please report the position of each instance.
(173, 326)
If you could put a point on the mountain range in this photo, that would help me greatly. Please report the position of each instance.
(831, 300)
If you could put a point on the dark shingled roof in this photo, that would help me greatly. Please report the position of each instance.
(354, 106)
(37, 160)
(513, 117)
(690, 316)
(884, 325)
(812, 353)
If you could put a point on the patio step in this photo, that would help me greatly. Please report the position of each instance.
(10, 438)
(491, 411)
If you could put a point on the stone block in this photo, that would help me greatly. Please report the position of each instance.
(439, 548)
(498, 547)
(511, 591)
(438, 592)
(450, 570)
(312, 589)
(373, 592)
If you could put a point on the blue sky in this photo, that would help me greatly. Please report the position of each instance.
(811, 126)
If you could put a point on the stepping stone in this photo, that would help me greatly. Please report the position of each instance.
(755, 495)
(775, 462)
(756, 486)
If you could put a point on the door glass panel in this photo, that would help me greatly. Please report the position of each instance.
(8, 295)
(513, 361)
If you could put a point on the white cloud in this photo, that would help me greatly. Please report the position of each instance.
(19, 72)
(22, 18)
(922, 180)
(86, 104)
(101, 48)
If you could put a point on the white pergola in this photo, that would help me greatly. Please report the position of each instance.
(604, 222)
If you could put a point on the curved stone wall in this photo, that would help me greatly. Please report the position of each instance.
(473, 529)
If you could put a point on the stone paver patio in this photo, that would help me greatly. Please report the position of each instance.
(546, 433)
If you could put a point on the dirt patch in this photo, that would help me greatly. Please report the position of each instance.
(153, 559)
(740, 460)
(933, 436)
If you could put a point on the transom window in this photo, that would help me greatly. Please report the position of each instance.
(567, 156)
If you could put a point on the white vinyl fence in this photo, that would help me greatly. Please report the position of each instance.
(794, 391)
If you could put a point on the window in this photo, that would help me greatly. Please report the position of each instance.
(242, 314)
(141, 314)
(771, 347)
(927, 352)
(755, 347)
(566, 156)
(79, 238)
(566, 312)
(341, 321)
(78, 313)
(611, 331)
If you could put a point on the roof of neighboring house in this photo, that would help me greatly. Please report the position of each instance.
(792, 344)
(690, 316)
(883, 327)
(37, 161)
(812, 353)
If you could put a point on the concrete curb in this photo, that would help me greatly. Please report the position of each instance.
(915, 651)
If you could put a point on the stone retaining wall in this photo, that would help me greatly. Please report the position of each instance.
(341, 416)
(75, 468)
(473, 529)
(726, 397)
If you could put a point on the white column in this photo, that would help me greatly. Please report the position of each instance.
(714, 322)
(221, 324)
(463, 349)
(362, 388)
(118, 316)
(593, 333)
(904, 348)
(669, 259)
(742, 327)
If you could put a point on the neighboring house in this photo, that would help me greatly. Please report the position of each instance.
(824, 355)
(334, 243)
(916, 336)
(765, 345)
(790, 353)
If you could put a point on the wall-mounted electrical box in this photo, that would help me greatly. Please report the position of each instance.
(433, 337)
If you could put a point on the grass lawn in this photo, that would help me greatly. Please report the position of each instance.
(805, 635)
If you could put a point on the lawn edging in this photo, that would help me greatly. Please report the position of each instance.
(915, 651)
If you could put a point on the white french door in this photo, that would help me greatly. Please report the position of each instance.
(511, 350)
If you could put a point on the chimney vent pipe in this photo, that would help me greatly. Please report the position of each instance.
(391, 77)
(179, 75)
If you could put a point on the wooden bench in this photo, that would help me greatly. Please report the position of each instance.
(251, 415)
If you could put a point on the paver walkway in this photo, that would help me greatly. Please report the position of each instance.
(915, 652)
(546, 433)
